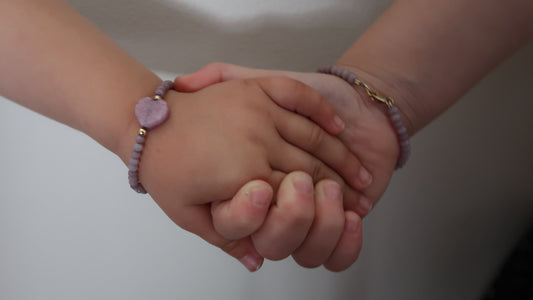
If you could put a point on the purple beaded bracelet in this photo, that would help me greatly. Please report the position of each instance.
(150, 112)
(393, 111)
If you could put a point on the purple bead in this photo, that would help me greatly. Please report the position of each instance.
(163, 88)
(395, 117)
(352, 78)
(135, 154)
(140, 139)
(133, 167)
(133, 182)
(151, 113)
(401, 131)
(397, 124)
(134, 161)
(336, 70)
(345, 75)
(138, 147)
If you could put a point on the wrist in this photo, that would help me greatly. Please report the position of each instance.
(395, 123)
(115, 126)
(399, 89)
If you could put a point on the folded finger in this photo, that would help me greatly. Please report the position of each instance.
(349, 246)
(300, 98)
(289, 220)
(327, 226)
(245, 212)
(307, 136)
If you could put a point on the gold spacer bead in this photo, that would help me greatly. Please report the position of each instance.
(157, 97)
(142, 132)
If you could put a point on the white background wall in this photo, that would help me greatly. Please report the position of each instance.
(70, 228)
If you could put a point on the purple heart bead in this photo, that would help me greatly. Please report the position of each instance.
(151, 113)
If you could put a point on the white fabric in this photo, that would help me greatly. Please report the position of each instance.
(70, 228)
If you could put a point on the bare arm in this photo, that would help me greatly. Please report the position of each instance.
(428, 53)
(57, 63)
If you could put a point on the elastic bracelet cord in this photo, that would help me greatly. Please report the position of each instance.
(393, 111)
(150, 112)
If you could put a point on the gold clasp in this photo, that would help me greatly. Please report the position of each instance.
(374, 95)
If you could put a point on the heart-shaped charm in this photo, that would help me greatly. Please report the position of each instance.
(151, 113)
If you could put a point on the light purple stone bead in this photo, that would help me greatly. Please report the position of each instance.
(352, 78)
(140, 139)
(163, 88)
(138, 147)
(151, 113)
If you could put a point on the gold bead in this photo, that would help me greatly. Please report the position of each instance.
(142, 132)
(157, 97)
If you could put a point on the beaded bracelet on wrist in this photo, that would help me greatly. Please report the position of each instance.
(150, 112)
(393, 111)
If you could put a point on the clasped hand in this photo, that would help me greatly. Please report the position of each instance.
(305, 188)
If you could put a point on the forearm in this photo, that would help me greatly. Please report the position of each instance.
(57, 63)
(426, 54)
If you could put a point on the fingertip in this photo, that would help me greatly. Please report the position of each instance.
(364, 207)
(352, 224)
(245, 213)
(252, 261)
(349, 246)
(204, 77)
(182, 83)
(244, 251)
(338, 125)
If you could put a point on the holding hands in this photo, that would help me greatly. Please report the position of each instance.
(316, 227)
(227, 134)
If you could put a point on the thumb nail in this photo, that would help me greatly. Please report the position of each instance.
(261, 196)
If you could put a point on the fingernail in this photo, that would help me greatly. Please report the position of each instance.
(339, 122)
(351, 225)
(365, 178)
(365, 204)
(252, 262)
(261, 196)
(332, 190)
(303, 184)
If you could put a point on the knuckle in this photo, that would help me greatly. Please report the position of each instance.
(319, 171)
(316, 137)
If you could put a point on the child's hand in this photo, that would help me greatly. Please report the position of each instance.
(308, 222)
(225, 135)
(368, 133)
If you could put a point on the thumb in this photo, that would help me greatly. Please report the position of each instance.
(211, 74)
(245, 213)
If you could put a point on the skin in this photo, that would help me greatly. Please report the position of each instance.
(60, 65)
(425, 54)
